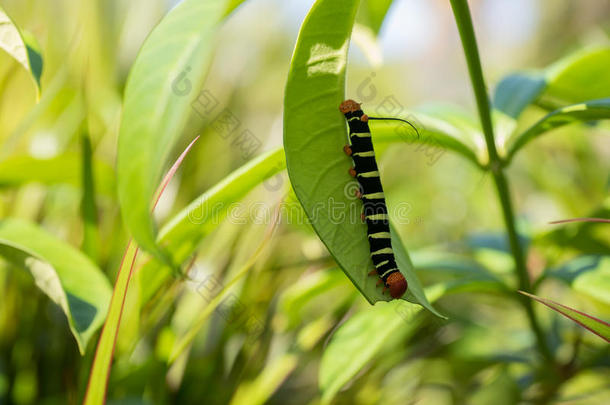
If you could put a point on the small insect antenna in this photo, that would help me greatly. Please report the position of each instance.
(395, 119)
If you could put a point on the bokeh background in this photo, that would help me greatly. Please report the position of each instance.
(88, 48)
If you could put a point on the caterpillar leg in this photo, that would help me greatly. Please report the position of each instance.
(384, 290)
(352, 172)
(379, 283)
(358, 193)
(373, 272)
(348, 150)
(363, 217)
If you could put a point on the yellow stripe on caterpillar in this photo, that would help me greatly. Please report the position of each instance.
(361, 134)
(369, 174)
(388, 272)
(384, 251)
(368, 153)
(380, 235)
(373, 196)
(383, 263)
(376, 217)
(354, 118)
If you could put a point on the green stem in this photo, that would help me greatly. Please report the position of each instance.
(464, 24)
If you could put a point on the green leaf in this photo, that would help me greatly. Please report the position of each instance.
(516, 91)
(362, 337)
(21, 46)
(316, 164)
(358, 341)
(597, 326)
(579, 77)
(183, 233)
(168, 71)
(587, 111)
(62, 272)
(62, 169)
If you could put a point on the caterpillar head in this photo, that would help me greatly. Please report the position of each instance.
(349, 106)
(397, 284)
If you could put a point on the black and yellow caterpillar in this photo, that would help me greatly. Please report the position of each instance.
(375, 211)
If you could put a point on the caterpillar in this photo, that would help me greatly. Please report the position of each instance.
(375, 210)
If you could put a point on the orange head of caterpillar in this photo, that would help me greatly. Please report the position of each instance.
(397, 284)
(349, 106)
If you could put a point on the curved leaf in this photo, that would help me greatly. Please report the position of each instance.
(314, 135)
(62, 272)
(587, 111)
(358, 341)
(597, 326)
(362, 337)
(169, 69)
(23, 47)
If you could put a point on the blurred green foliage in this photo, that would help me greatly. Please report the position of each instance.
(291, 328)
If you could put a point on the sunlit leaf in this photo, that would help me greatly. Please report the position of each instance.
(597, 326)
(587, 111)
(22, 46)
(62, 272)
(162, 85)
(316, 164)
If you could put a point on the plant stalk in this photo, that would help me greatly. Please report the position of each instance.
(464, 23)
